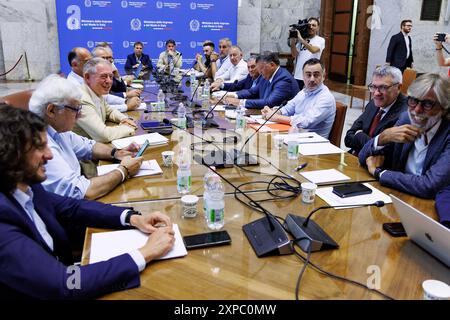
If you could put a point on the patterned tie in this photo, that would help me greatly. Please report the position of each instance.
(375, 122)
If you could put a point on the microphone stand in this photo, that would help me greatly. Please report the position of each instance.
(316, 239)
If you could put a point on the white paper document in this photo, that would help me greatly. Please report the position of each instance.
(332, 199)
(153, 138)
(323, 176)
(148, 168)
(258, 119)
(305, 137)
(313, 149)
(106, 245)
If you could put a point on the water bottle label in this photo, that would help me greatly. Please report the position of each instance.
(182, 123)
(293, 150)
(240, 123)
(216, 215)
(184, 182)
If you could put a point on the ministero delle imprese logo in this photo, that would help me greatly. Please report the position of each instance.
(90, 44)
(136, 24)
(124, 4)
(194, 25)
(193, 5)
(159, 4)
(74, 20)
(193, 44)
(87, 3)
(126, 44)
(160, 44)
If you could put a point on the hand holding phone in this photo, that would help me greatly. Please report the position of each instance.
(142, 149)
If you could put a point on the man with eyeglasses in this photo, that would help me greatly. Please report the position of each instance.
(249, 82)
(76, 76)
(236, 73)
(413, 156)
(57, 101)
(98, 77)
(223, 63)
(381, 112)
(399, 52)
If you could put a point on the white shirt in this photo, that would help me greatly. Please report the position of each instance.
(226, 64)
(236, 72)
(407, 44)
(114, 102)
(304, 54)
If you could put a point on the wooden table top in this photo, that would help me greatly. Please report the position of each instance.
(235, 272)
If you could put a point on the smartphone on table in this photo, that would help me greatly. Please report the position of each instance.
(209, 239)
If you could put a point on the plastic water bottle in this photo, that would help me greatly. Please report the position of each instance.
(215, 204)
(193, 78)
(206, 88)
(184, 175)
(240, 118)
(182, 116)
(207, 182)
(161, 101)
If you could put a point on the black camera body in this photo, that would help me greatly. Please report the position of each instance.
(441, 37)
(302, 26)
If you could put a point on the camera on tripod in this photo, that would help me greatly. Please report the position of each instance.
(302, 26)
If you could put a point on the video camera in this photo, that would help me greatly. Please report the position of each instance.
(302, 26)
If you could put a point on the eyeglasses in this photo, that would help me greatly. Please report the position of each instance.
(77, 110)
(383, 88)
(427, 105)
(223, 47)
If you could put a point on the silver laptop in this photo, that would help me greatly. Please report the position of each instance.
(424, 231)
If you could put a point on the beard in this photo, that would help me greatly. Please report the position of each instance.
(423, 121)
(35, 173)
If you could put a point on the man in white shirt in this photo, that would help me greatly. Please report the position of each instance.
(238, 70)
(305, 49)
(223, 63)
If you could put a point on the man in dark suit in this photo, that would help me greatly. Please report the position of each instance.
(137, 58)
(443, 206)
(380, 113)
(413, 156)
(250, 81)
(399, 53)
(35, 250)
(277, 86)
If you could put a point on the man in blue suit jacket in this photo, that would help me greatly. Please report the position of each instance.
(35, 251)
(443, 206)
(278, 86)
(250, 81)
(414, 155)
(136, 58)
(399, 52)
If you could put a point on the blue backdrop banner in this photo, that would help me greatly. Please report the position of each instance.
(84, 23)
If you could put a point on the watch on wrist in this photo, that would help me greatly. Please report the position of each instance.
(377, 172)
(129, 214)
(113, 153)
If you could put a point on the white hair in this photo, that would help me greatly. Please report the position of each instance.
(386, 71)
(91, 66)
(53, 90)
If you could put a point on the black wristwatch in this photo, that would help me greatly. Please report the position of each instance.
(113, 153)
(377, 172)
(129, 214)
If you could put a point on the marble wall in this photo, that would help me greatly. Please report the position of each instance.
(388, 16)
(28, 25)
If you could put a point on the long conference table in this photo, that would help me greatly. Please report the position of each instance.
(234, 271)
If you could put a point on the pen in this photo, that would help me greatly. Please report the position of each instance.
(300, 167)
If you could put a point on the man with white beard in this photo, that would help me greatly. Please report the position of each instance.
(414, 155)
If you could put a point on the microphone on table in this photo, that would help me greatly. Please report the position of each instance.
(317, 238)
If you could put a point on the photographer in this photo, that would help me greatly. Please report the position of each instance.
(439, 40)
(305, 49)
